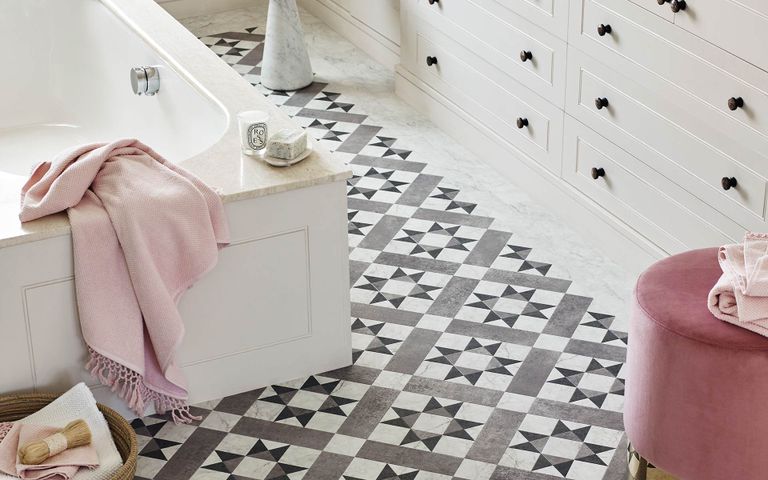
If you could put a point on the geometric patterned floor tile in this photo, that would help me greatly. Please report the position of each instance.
(473, 361)
(318, 403)
(244, 457)
(561, 448)
(513, 306)
(461, 338)
(433, 424)
(439, 240)
(588, 381)
(398, 287)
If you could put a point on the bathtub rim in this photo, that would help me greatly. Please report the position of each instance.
(221, 165)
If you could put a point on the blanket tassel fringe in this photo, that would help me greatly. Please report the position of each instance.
(130, 387)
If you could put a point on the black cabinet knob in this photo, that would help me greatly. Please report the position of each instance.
(431, 61)
(601, 102)
(597, 172)
(522, 122)
(432, 2)
(525, 55)
(735, 102)
(678, 5)
(603, 29)
(729, 182)
(662, 2)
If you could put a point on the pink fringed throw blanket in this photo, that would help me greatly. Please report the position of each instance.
(740, 296)
(143, 231)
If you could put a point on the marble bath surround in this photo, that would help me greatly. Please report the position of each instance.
(221, 164)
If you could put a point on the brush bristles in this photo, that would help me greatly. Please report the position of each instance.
(76, 433)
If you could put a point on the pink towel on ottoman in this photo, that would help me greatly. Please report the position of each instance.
(63, 466)
(740, 295)
(143, 231)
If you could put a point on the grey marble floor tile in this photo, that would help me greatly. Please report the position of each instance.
(488, 248)
(419, 190)
(533, 372)
(412, 352)
(454, 391)
(493, 441)
(429, 461)
(368, 412)
(567, 315)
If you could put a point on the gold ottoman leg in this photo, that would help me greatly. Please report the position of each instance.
(640, 469)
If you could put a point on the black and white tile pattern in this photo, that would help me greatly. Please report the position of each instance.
(470, 360)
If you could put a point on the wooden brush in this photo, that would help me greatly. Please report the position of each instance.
(75, 434)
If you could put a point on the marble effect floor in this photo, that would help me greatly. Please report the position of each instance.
(488, 340)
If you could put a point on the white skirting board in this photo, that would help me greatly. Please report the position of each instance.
(379, 47)
(193, 8)
(618, 241)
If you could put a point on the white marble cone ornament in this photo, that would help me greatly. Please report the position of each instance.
(285, 65)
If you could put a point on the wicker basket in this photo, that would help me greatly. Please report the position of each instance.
(15, 407)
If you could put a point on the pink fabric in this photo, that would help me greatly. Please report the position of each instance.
(143, 231)
(60, 467)
(740, 295)
(695, 396)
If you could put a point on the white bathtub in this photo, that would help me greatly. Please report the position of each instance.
(70, 84)
(280, 291)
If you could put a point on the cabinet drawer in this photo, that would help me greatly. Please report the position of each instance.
(737, 26)
(653, 6)
(650, 134)
(551, 15)
(502, 43)
(489, 102)
(641, 197)
(644, 40)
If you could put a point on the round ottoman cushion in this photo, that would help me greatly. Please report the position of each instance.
(697, 387)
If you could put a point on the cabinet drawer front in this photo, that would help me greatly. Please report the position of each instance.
(641, 43)
(653, 6)
(502, 42)
(670, 149)
(551, 15)
(736, 26)
(638, 195)
(489, 102)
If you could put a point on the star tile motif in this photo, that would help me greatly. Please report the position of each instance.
(562, 449)
(473, 361)
(433, 424)
(513, 306)
(587, 381)
(438, 240)
(400, 288)
(317, 403)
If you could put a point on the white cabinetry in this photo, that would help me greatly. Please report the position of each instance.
(682, 117)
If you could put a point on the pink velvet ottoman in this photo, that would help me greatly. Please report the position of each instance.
(697, 388)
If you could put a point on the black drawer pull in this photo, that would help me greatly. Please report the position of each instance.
(525, 55)
(729, 182)
(678, 5)
(597, 172)
(735, 102)
(601, 102)
(522, 122)
(431, 61)
(662, 2)
(603, 29)
(432, 2)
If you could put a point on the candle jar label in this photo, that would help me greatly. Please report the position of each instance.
(257, 136)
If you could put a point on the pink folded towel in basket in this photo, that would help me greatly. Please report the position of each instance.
(740, 295)
(143, 231)
(63, 466)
